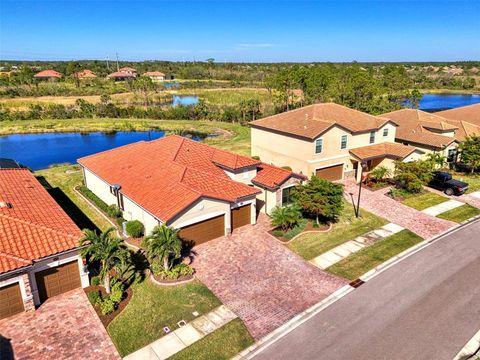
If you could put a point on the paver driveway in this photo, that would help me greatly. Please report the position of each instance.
(64, 327)
(262, 281)
(416, 221)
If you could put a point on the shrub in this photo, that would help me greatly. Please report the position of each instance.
(286, 217)
(411, 176)
(95, 280)
(177, 271)
(134, 228)
(380, 173)
(120, 220)
(94, 297)
(107, 306)
(114, 211)
(116, 294)
(94, 198)
(287, 168)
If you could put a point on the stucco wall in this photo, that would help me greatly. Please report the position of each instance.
(243, 176)
(99, 187)
(134, 212)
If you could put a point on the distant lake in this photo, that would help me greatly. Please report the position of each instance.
(39, 151)
(432, 102)
(184, 100)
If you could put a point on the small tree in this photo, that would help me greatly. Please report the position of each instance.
(411, 176)
(134, 228)
(163, 244)
(286, 216)
(109, 250)
(380, 173)
(319, 197)
(470, 152)
(437, 159)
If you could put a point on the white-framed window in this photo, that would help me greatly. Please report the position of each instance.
(385, 132)
(318, 146)
(372, 137)
(343, 142)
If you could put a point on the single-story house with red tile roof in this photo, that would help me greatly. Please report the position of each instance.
(121, 76)
(85, 74)
(39, 255)
(204, 191)
(48, 75)
(155, 75)
(128, 70)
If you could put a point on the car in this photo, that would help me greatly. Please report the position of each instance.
(445, 182)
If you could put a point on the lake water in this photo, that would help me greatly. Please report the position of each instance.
(431, 102)
(184, 100)
(38, 151)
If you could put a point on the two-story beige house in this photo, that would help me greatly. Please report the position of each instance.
(328, 140)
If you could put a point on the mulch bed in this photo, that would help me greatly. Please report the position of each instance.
(172, 281)
(107, 319)
(377, 186)
(135, 242)
(308, 227)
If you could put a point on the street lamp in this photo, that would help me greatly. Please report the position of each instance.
(363, 166)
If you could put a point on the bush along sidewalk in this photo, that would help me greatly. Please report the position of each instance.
(111, 211)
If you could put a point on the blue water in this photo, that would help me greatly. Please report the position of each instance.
(38, 151)
(447, 101)
(184, 100)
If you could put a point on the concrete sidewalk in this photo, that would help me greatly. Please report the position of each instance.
(443, 207)
(184, 336)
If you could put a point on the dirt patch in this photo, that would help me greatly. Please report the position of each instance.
(107, 319)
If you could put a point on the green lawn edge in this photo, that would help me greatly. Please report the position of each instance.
(423, 201)
(460, 214)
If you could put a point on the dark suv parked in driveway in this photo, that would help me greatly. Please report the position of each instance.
(444, 181)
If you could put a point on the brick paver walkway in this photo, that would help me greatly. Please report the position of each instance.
(259, 279)
(64, 327)
(416, 221)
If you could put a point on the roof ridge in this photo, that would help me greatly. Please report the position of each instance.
(116, 148)
(178, 149)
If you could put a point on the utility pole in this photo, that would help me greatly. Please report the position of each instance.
(108, 66)
(118, 69)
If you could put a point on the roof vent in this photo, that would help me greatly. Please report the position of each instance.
(4, 204)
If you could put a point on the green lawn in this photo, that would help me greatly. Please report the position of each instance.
(348, 227)
(153, 307)
(357, 264)
(460, 214)
(223, 343)
(472, 180)
(424, 200)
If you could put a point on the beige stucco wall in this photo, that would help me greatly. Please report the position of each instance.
(243, 176)
(99, 187)
(427, 150)
(268, 200)
(132, 211)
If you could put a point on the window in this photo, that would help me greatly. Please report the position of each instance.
(318, 146)
(286, 197)
(372, 137)
(451, 155)
(343, 142)
(385, 132)
(120, 201)
(112, 190)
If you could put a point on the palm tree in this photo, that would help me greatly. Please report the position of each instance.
(163, 244)
(109, 250)
(286, 216)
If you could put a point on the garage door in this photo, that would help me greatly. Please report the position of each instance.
(241, 216)
(331, 173)
(57, 280)
(10, 300)
(204, 231)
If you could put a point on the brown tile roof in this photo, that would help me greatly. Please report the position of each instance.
(48, 73)
(85, 74)
(414, 125)
(166, 176)
(32, 224)
(127, 69)
(118, 74)
(272, 177)
(154, 73)
(470, 113)
(310, 121)
(387, 149)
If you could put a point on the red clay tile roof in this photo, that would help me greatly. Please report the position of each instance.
(34, 226)
(127, 69)
(386, 149)
(470, 113)
(48, 73)
(272, 177)
(85, 74)
(118, 74)
(154, 73)
(414, 125)
(310, 121)
(166, 176)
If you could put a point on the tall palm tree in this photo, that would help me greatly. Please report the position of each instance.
(163, 244)
(109, 250)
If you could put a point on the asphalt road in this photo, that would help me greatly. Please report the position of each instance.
(425, 307)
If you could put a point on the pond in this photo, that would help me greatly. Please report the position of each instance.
(39, 151)
(184, 100)
(437, 102)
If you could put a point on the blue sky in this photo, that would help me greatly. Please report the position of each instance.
(241, 30)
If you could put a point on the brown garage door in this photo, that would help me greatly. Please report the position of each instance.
(331, 173)
(204, 231)
(57, 280)
(241, 216)
(10, 300)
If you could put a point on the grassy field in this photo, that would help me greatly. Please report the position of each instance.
(222, 344)
(224, 97)
(424, 200)
(357, 264)
(460, 214)
(152, 307)
(473, 181)
(349, 227)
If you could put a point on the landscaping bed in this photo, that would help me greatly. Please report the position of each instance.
(460, 214)
(168, 281)
(107, 319)
(303, 226)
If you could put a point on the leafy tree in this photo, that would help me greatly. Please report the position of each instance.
(380, 173)
(319, 197)
(163, 244)
(110, 251)
(470, 152)
(143, 84)
(286, 216)
(437, 159)
(412, 176)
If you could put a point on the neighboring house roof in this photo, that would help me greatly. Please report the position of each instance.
(47, 74)
(386, 149)
(272, 177)
(32, 224)
(9, 164)
(414, 125)
(311, 121)
(127, 69)
(154, 73)
(118, 74)
(85, 74)
(167, 175)
(470, 113)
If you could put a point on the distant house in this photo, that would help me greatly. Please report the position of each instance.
(128, 70)
(155, 75)
(85, 74)
(125, 73)
(48, 75)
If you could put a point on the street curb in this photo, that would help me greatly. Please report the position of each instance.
(470, 348)
(293, 323)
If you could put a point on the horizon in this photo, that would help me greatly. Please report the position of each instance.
(258, 32)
